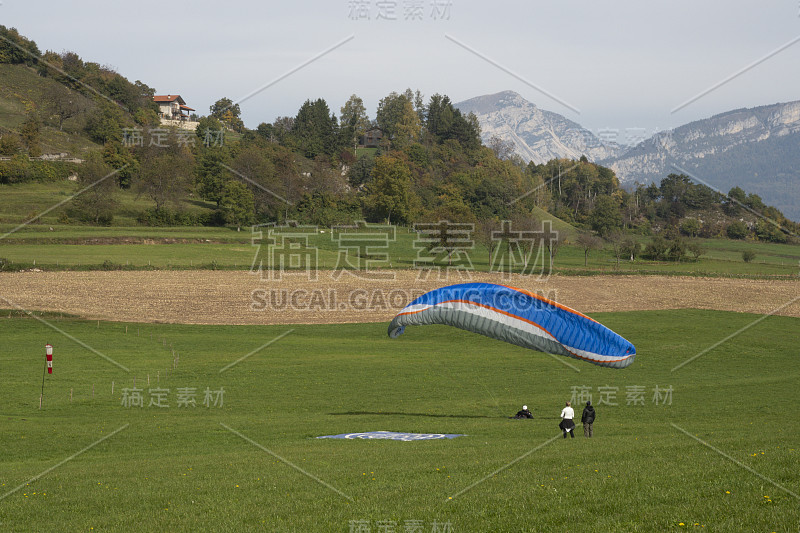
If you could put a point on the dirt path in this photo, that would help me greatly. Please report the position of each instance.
(223, 297)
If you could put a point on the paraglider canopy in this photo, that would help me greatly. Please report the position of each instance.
(518, 317)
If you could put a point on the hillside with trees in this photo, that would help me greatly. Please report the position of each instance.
(589, 195)
(69, 94)
(429, 165)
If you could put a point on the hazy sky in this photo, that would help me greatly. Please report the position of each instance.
(620, 65)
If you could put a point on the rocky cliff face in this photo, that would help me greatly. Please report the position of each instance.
(757, 149)
(537, 135)
(710, 138)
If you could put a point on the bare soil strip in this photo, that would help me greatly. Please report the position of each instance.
(225, 297)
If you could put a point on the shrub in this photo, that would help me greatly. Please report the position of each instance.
(677, 249)
(20, 170)
(737, 230)
(657, 249)
(748, 255)
(690, 227)
(168, 217)
(630, 248)
(695, 250)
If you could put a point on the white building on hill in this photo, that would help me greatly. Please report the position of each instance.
(173, 111)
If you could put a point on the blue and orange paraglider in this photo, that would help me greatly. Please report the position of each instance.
(518, 317)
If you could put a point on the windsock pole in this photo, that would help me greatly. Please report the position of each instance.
(44, 369)
(48, 365)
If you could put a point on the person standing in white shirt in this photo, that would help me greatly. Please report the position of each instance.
(567, 424)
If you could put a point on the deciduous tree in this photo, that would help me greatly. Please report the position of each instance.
(388, 195)
(29, 133)
(63, 104)
(354, 119)
(238, 204)
(210, 174)
(605, 216)
(588, 242)
(737, 230)
(224, 105)
(408, 127)
(165, 175)
(227, 112)
(690, 226)
(96, 204)
(210, 131)
(390, 114)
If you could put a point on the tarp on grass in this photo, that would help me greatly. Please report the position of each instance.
(391, 435)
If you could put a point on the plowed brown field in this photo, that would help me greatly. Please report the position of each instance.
(224, 297)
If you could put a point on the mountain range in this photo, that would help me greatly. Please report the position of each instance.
(537, 135)
(757, 149)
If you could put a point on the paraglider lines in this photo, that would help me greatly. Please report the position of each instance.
(546, 334)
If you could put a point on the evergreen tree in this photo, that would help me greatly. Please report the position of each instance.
(315, 130)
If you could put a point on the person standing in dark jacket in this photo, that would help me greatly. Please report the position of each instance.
(587, 419)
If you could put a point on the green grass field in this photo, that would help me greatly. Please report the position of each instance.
(24, 201)
(253, 462)
(52, 245)
(82, 247)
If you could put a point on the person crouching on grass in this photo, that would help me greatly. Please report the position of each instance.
(524, 413)
(566, 424)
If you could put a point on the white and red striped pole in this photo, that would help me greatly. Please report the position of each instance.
(48, 352)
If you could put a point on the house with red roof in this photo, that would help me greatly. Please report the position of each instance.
(172, 107)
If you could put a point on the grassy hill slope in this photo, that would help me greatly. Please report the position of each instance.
(23, 89)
